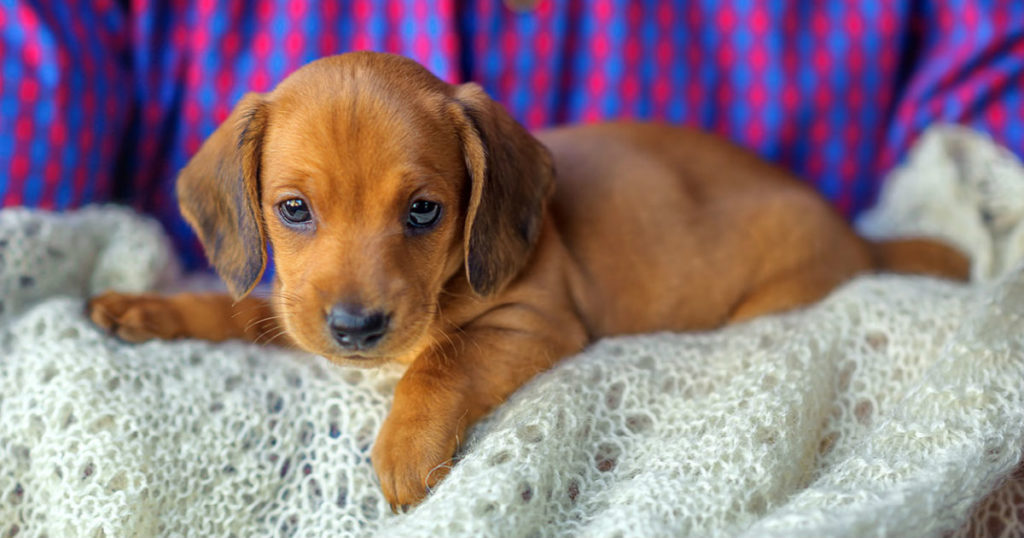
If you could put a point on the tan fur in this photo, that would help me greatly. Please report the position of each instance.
(545, 243)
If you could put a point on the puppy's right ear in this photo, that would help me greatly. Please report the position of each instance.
(219, 195)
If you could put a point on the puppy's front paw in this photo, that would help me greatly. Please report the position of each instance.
(411, 456)
(135, 318)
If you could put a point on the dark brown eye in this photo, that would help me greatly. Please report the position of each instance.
(294, 211)
(424, 214)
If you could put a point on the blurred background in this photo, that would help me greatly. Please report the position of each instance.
(106, 100)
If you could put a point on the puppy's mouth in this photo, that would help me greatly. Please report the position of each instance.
(354, 336)
(401, 343)
(362, 360)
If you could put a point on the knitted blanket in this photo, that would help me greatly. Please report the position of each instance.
(894, 407)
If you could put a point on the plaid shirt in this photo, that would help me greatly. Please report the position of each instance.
(106, 100)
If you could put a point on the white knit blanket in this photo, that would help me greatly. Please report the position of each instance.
(895, 407)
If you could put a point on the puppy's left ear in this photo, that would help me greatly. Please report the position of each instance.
(511, 176)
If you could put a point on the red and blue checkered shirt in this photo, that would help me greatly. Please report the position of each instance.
(107, 100)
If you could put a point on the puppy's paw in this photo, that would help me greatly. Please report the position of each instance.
(411, 456)
(135, 318)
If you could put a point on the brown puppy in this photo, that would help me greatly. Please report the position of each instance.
(415, 221)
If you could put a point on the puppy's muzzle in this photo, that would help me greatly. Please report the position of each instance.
(354, 328)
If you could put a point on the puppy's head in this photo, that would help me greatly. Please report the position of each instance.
(375, 185)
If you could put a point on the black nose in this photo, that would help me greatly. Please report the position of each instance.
(354, 328)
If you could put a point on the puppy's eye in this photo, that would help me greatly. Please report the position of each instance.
(424, 213)
(294, 211)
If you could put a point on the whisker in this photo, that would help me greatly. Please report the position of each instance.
(264, 339)
(255, 322)
(238, 311)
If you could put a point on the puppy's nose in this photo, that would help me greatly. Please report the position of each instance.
(355, 328)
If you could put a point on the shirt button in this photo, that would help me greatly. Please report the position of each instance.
(521, 6)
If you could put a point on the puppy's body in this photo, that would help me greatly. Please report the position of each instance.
(535, 248)
(643, 209)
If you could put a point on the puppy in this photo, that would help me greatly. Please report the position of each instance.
(416, 221)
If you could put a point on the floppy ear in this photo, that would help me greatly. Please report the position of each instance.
(511, 176)
(219, 195)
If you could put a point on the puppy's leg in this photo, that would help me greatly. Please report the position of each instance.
(794, 289)
(448, 389)
(206, 316)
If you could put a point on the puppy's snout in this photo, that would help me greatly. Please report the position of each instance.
(354, 328)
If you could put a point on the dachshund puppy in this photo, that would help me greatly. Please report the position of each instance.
(416, 221)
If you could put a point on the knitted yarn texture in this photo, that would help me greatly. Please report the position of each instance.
(893, 407)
